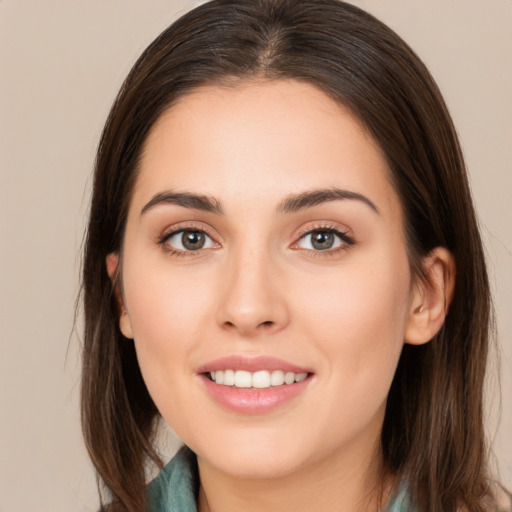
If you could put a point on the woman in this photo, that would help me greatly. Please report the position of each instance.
(283, 262)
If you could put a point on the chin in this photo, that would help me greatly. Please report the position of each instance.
(265, 467)
(250, 457)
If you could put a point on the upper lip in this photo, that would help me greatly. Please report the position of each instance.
(251, 364)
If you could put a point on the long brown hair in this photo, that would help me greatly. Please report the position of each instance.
(433, 433)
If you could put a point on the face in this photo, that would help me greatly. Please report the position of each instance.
(264, 243)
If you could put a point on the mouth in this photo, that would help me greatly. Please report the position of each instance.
(254, 385)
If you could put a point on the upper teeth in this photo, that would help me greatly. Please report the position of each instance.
(261, 379)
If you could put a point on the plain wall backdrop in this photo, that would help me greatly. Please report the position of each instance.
(61, 64)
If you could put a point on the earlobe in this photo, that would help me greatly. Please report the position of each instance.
(125, 325)
(112, 264)
(432, 297)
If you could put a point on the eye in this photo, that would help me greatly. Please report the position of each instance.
(324, 240)
(188, 240)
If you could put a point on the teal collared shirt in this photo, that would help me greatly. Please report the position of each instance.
(175, 488)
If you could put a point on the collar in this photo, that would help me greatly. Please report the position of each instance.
(176, 486)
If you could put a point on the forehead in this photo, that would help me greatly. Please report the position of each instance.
(261, 139)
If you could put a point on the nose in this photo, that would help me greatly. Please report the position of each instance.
(253, 298)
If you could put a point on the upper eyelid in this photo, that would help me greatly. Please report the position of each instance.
(174, 232)
(186, 227)
(306, 229)
(340, 234)
(327, 226)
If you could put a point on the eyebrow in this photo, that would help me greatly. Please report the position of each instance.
(185, 199)
(290, 204)
(295, 203)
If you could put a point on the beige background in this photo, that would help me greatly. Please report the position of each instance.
(61, 63)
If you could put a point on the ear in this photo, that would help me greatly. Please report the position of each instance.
(113, 271)
(432, 297)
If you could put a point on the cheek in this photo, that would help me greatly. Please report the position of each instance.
(358, 324)
(162, 297)
(167, 312)
(358, 316)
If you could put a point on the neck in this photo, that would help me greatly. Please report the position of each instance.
(330, 485)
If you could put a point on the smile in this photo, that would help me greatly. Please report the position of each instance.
(259, 380)
(254, 384)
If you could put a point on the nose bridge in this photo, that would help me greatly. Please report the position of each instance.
(253, 299)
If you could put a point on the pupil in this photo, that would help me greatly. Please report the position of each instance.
(323, 240)
(192, 240)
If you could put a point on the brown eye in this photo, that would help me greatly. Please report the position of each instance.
(324, 240)
(189, 240)
(193, 240)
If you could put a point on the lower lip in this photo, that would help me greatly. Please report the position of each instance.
(253, 401)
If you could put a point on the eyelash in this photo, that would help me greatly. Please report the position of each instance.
(162, 241)
(346, 240)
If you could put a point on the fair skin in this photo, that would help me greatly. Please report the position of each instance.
(320, 284)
